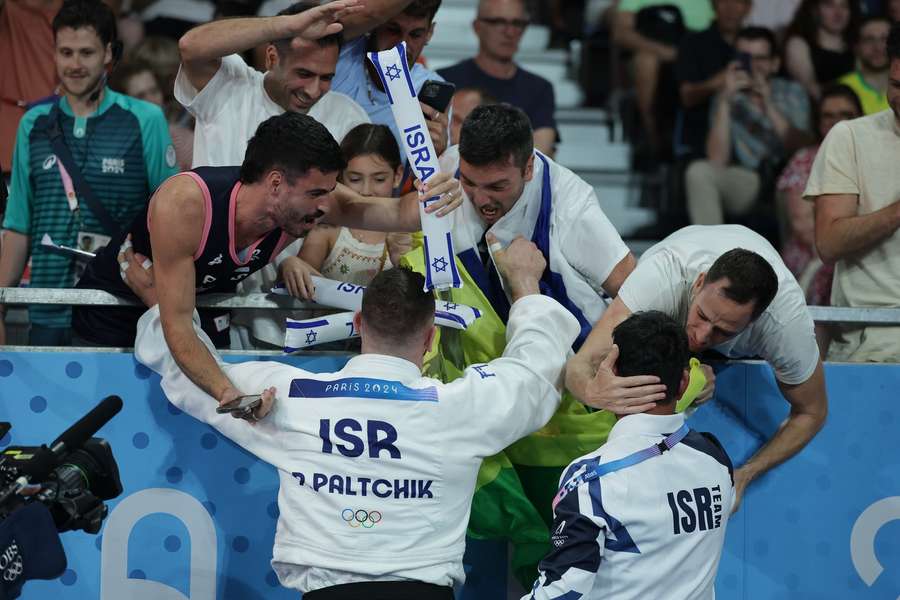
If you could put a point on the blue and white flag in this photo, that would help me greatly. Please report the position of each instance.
(303, 334)
(348, 296)
(440, 267)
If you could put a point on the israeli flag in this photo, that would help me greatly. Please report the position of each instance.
(300, 335)
(348, 296)
(440, 266)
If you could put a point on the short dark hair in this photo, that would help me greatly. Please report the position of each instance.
(486, 96)
(128, 69)
(750, 278)
(760, 33)
(395, 305)
(368, 138)
(87, 13)
(283, 46)
(893, 42)
(866, 20)
(839, 90)
(496, 133)
(652, 343)
(292, 142)
(422, 8)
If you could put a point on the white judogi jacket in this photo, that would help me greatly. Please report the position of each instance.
(378, 464)
(581, 245)
(650, 530)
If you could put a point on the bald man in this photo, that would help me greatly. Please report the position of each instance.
(499, 26)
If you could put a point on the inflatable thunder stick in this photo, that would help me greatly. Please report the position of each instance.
(440, 267)
(348, 296)
(310, 332)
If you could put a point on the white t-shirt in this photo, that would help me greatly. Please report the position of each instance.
(860, 157)
(233, 104)
(783, 335)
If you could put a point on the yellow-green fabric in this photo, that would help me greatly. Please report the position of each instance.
(872, 100)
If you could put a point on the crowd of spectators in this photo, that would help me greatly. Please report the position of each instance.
(733, 95)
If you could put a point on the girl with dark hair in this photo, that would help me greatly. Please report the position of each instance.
(819, 48)
(373, 169)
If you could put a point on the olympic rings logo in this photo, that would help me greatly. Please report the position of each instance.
(361, 518)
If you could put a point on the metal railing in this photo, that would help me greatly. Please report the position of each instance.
(78, 297)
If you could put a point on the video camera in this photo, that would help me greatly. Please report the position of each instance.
(46, 490)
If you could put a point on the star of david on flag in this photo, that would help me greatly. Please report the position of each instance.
(393, 72)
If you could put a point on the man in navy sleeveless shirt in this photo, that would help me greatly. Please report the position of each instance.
(208, 228)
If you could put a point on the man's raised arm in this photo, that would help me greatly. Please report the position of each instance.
(203, 47)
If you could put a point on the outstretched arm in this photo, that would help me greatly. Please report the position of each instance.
(809, 409)
(351, 209)
(373, 14)
(203, 47)
(176, 226)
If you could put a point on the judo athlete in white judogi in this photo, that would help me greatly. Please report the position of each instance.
(377, 463)
(513, 190)
(644, 516)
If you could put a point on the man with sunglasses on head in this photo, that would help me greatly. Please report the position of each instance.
(499, 26)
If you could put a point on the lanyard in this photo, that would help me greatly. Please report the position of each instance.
(616, 465)
(71, 196)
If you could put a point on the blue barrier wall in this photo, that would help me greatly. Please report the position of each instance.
(794, 536)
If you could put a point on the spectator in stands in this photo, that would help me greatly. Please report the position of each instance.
(855, 187)
(513, 191)
(652, 33)
(819, 47)
(622, 496)
(838, 103)
(499, 26)
(870, 79)
(162, 55)
(229, 99)
(700, 71)
(758, 120)
(137, 79)
(734, 295)
(354, 255)
(29, 71)
(465, 100)
(119, 145)
(399, 21)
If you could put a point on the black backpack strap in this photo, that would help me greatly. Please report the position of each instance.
(63, 155)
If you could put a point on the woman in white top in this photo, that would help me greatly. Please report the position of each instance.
(355, 255)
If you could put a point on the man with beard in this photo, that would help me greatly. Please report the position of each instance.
(119, 145)
(514, 190)
(230, 99)
(208, 229)
(357, 78)
(734, 294)
(870, 79)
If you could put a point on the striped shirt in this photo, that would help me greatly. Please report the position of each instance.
(123, 151)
